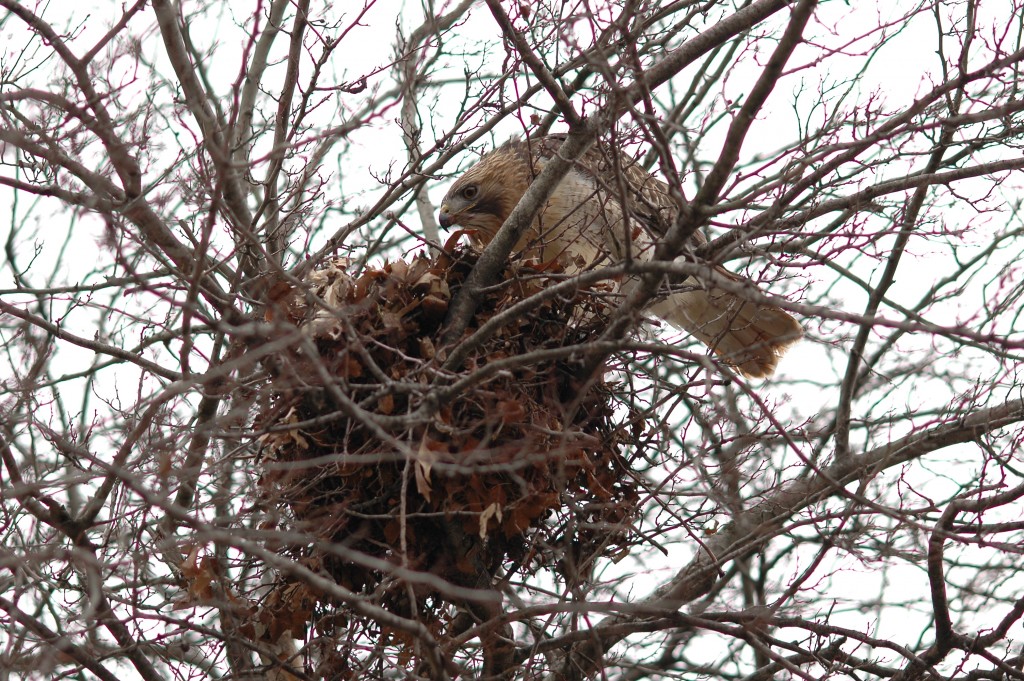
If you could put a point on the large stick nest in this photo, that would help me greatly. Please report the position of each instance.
(511, 473)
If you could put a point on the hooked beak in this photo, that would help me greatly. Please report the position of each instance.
(444, 217)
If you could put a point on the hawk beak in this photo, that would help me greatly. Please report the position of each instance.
(444, 217)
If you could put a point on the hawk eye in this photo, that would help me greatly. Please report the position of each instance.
(470, 192)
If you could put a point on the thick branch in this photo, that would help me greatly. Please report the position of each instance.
(764, 520)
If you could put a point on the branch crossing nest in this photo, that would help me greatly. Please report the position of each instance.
(510, 471)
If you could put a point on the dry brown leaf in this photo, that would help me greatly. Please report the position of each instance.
(492, 511)
(512, 411)
(278, 298)
(190, 566)
(199, 575)
(427, 349)
(434, 306)
(351, 368)
(399, 270)
(296, 437)
(453, 240)
(425, 458)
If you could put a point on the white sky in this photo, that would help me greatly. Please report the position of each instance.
(899, 72)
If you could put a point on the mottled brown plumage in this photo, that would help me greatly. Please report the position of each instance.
(585, 223)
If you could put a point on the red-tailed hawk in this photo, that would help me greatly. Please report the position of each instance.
(584, 223)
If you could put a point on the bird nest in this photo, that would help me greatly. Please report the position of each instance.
(400, 470)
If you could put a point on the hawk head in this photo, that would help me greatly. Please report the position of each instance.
(485, 195)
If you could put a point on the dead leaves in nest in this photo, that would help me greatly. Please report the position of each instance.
(495, 475)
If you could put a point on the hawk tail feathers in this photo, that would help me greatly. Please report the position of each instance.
(749, 336)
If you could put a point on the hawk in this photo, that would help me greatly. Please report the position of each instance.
(606, 198)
